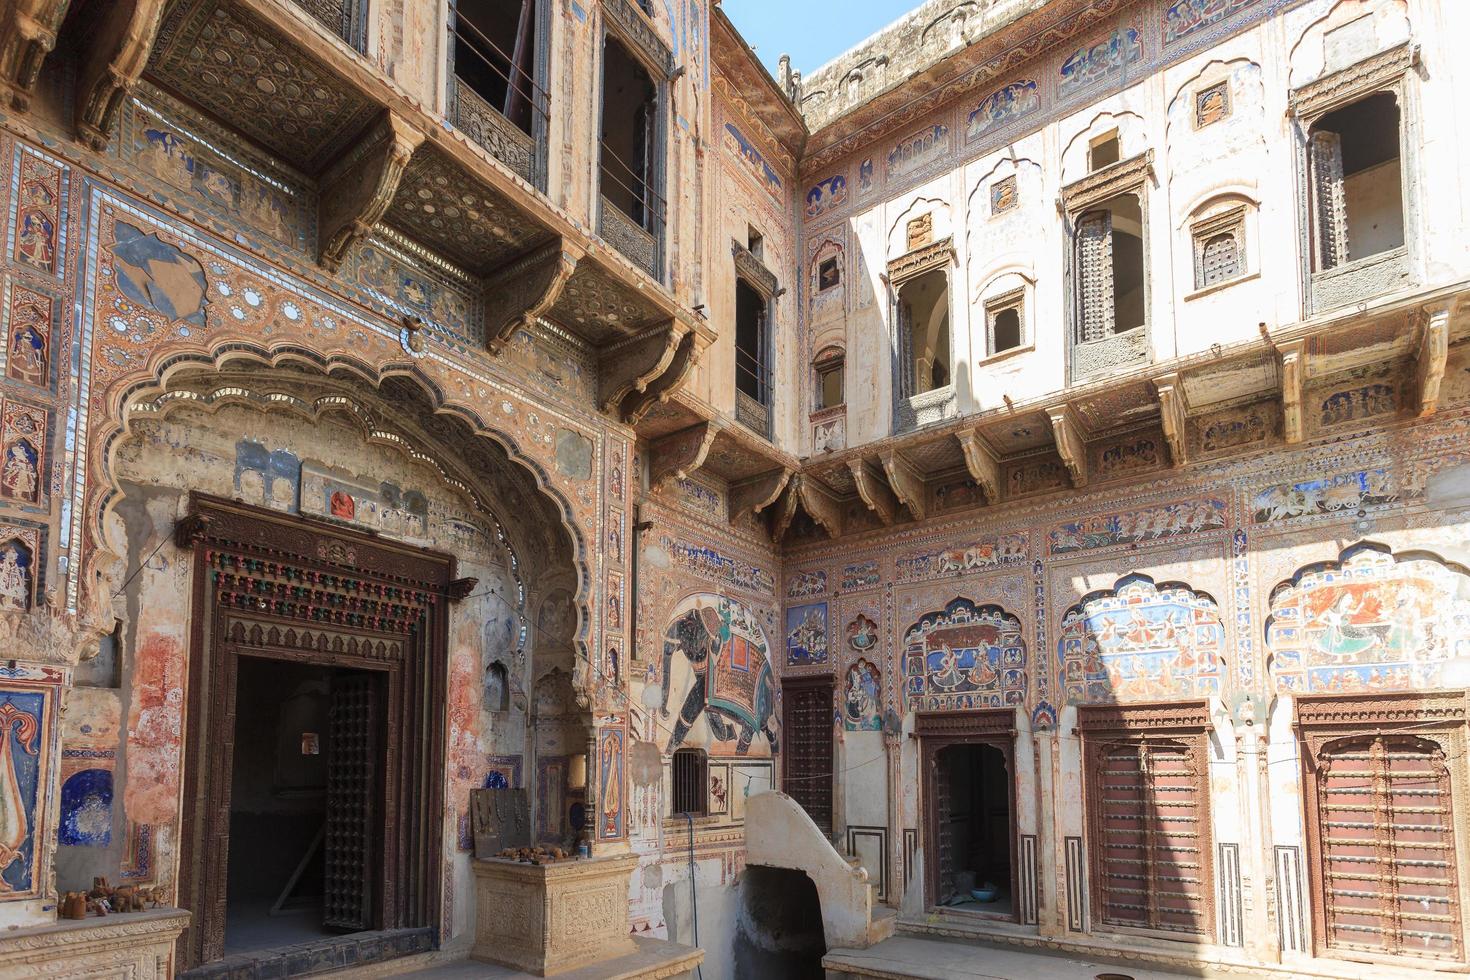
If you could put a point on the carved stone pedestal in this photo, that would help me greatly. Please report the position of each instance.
(136, 945)
(551, 918)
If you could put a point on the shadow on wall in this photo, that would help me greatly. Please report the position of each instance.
(778, 933)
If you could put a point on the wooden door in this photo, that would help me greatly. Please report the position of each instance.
(353, 791)
(806, 737)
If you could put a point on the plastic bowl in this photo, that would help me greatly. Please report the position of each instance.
(983, 894)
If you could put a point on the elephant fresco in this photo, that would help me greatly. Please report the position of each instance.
(733, 688)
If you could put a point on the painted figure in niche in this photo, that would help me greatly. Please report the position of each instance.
(27, 356)
(15, 576)
(863, 704)
(862, 634)
(36, 244)
(86, 809)
(20, 731)
(18, 478)
(342, 505)
(865, 174)
(733, 687)
(964, 656)
(611, 782)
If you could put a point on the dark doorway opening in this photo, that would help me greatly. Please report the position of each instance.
(778, 931)
(976, 828)
(305, 803)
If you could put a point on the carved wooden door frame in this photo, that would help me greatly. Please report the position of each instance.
(789, 687)
(939, 730)
(290, 588)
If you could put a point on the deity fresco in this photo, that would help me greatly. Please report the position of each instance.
(826, 195)
(862, 634)
(732, 687)
(1141, 642)
(15, 576)
(19, 478)
(1185, 17)
(751, 160)
(28, 353)
(964, 656)
(1371, 622)
(38, 222)
(806, 635)
(862, 703)
(1005, 104)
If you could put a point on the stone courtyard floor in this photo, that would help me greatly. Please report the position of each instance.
(926, 958)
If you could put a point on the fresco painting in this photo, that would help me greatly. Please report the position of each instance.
(1371, 622)
(25, 765)
(1184, 18)
(732, 687)
(964, 656)
(1148, 524)
(1141, 642)
(826, 196)
(862, 703)
(806, 635)
(1338, 492)
(1006, 104)
(1100, 61)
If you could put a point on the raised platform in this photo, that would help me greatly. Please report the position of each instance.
(135, 945)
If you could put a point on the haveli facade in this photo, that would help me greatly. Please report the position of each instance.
(1034, 441)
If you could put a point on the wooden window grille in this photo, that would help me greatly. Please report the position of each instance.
(806, 735)
(1219, 248)
(691, 782)
(1390, 877)
(1097, 313)
(1149, 815)
(1005, 322)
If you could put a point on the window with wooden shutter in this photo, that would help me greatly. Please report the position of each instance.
(1151, 847)
(1096, 313)
(1220, 259)
(806, 743)
(1328, 200)
(1389, 874)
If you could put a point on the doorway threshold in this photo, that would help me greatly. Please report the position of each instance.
(318, 956)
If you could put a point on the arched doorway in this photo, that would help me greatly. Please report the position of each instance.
(306, 670)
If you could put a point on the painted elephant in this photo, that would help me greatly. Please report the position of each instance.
(732, 677)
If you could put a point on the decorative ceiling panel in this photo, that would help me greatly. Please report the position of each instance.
(837, 477)
(1379, 340)
(934, 457)
(441, 207)
(1233, 381)
(733, 460)
(1111, 409)
(220, 58)
(597, 307)
(1018, 433)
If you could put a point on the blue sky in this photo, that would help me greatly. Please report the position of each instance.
(811, 31)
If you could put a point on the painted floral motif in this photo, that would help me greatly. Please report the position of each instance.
(1141, 642)
(1005, 104)
(862, 703)
(964, 656)
(1371, 622)
(610, 783)
(1097, 62)
(806, 635)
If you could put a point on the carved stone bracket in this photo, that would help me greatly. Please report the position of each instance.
(117, 50)
(357, 190)
(784, 511)
(1171, 413)
(460, 589)
(675, 456)
(906, 482)
(820, 503)
(1434, 353)
(522, 290)
(629, 366)
(663, 387)
(1069, 444)
(873, 490)
(190, 530)
(1293, 378)
(757, 493)
(27, 34)
(982, 463)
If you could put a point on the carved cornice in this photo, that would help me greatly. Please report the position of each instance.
(635, 30)
(27, 34)
(873, 490)
(525, 289)
(1380, 710)
(906, 482)
(921, 260)
(1151, 716)
(667, 383)
(820, 504)
(784, 510)
(957, 724)
(675, 456)
(1381, 70)
(1293, 379)
(1118, 178)
(754, 271)
(358, 189)
(629, 366)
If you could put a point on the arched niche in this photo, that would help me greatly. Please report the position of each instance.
(1141, 641)
(964, 656)
(1371, 621)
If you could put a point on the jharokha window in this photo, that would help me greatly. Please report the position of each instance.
(1382, 791)
(1357, 182)
(1110, 264)
(923, 320)
(1147, 770)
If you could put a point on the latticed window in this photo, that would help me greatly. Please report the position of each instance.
(1151, 837)
(1390, 878)
(1328, 200)
(690, 782)
(1096, 317)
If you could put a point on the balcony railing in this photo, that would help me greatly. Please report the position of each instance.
(346, 18)
(624, 234)
(510, 132)
(484, 124)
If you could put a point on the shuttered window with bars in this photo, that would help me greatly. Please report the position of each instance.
(1149, 816)
(691, 782)
(1390, 879)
